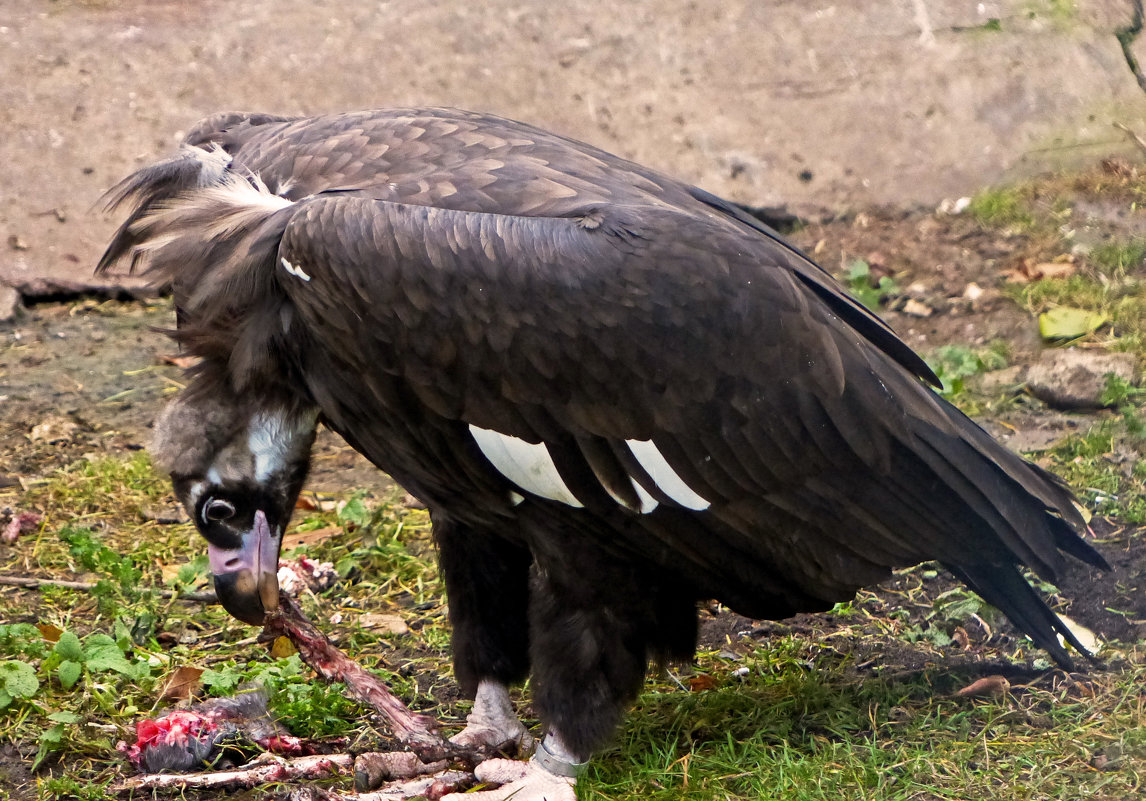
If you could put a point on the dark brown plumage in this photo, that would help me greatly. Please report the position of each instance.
(445, 288)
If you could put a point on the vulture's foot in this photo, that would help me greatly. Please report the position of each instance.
(519, 781)
(493, 726)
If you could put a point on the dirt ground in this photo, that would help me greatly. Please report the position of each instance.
(806, 104)
(862, 116)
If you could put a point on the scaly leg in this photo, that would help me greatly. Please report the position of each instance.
(493, 723)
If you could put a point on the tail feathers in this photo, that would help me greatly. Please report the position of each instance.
(1005, 588)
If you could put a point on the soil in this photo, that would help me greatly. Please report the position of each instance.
(860, 116)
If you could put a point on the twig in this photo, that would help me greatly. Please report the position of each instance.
(1138, 140)
(1126, 37)
(32, 582)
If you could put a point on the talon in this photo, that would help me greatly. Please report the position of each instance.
(492, 724)
(520, 781)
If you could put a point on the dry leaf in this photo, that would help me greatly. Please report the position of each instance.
(1028, 271)
(182, 684)
(312, 503)
(1090, 641)
(701, 683)
(988, 685)
(384, 624)
(50, 632)
(297, 538)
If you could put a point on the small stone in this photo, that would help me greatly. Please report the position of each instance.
(383, 624)
(916, 308)
(1076, 379)
(949, 206)
(9, 303)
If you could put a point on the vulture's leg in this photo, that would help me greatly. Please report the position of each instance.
(492, 722)
(590, 643)
(487, 583)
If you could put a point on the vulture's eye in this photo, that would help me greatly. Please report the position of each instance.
(216, 510)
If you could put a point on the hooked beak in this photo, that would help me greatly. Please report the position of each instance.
(246, 578)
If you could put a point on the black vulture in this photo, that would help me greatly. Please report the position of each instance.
(618, 395)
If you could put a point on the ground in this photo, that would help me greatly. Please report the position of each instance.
(861, 702)
(865, 118)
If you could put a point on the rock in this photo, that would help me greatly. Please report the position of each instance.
(997, 382)
(54, 429)
(9, 303)
(1075, 379)
(915, 308)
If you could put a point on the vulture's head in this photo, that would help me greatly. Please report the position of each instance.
(238, 475)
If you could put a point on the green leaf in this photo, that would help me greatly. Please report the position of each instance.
(18, 679)
(102, 654)
(49, 741)
(223, 681)
(1064, 322)
(64, 717)
(69, 673)
(69, 647)
(354, 511)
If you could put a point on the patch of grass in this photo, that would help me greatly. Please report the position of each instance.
(859, 706)
(1119, 258)
(794, 731)
(1105, 465)
(954, 364)
(1060, 12)
(1003, 207)
(1122, 300)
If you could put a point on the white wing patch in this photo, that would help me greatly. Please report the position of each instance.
(662, 474)
(530, 467)
(295, 271)
(526, 464)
